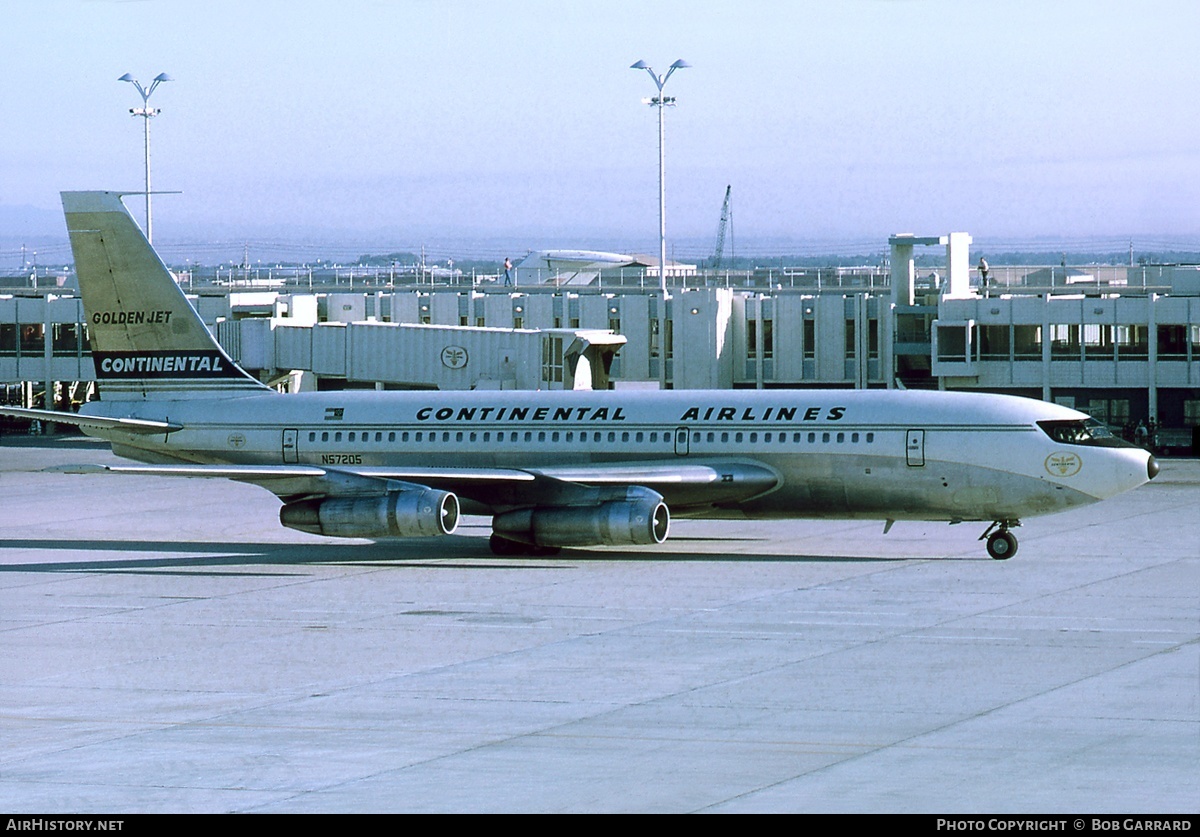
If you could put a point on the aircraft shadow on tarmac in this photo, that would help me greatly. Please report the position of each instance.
(221, 558)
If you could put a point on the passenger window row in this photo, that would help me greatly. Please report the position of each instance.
(625, 436)
(782, 438)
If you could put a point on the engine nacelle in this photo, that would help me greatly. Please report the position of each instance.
(642, 518)
(411, 513)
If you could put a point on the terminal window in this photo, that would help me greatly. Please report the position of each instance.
(33, 339)
(1191, 413)
(552, 360)
(1027, 342)
(1172, 342)
(994, 342)
(1133, 341)
(953, 343)
(1064, 341)
(64, 339)
(1098, 342)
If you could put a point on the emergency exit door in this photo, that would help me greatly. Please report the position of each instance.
(681, 441)
(291, 442)
(914, 447)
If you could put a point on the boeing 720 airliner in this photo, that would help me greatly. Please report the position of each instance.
(555, 469)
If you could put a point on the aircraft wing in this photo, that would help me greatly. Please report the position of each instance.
(681, 485)
(129, 425)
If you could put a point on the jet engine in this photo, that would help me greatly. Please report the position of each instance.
(410, 513)
(641, 518)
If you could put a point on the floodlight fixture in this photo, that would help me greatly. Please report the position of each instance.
(147, 113)
(659, 101)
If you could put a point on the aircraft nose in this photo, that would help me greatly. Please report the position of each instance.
(1152, 467)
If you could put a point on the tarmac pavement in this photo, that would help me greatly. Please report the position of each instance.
(167, 646)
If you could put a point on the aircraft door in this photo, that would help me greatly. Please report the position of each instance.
(681, 441)
(914, 446)
(291, 445)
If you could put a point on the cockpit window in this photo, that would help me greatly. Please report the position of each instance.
(1082, 432)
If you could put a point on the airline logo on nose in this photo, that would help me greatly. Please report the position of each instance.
(1063, 464)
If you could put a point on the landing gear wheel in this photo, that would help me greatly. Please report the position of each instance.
(505, 547)
(544, 550)
(1002, 545)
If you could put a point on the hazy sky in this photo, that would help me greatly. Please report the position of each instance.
(417, 122)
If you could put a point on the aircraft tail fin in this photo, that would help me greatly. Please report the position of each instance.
(147, 341)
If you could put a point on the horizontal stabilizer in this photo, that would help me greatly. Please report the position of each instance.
(129, 425)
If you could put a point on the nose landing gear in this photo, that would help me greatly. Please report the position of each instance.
(1001, 543)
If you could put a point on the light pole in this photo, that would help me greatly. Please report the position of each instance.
(660, 101)
(146, 112)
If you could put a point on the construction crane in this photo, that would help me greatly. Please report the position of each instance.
(719, 253)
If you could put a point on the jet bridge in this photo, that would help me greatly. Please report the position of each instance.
(420, 356)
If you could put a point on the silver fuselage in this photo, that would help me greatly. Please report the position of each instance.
(838, 453)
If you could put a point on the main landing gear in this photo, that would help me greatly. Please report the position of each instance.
(1001, 543)
(506, 547)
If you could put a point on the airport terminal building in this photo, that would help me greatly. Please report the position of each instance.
(1119, 342)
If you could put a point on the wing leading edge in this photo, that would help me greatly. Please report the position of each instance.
(496, 489)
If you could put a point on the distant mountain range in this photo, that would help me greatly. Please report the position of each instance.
(42, 231)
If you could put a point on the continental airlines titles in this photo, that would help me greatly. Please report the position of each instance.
(618, 414)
